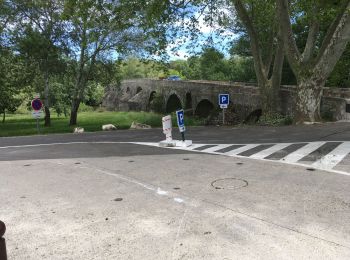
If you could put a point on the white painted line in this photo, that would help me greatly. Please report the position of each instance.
(263, 154)
(50, 144)
(192, 147)
(330, 160)
(216, 148)
(146, 143)
(302, 152)
(241, 149)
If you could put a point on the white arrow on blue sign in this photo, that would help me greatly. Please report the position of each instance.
(181, 120)
(224, 100)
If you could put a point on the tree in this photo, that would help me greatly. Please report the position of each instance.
(212, 65)
(97, 29)
(314, 65)
(11, 70)
(38, 31)
(260, 22)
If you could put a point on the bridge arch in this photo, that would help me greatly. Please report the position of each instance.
(152, 95)
(204, 108)
(173, 103)
(138, 90)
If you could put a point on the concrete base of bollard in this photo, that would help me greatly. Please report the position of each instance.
(185, 143)
(166, 143)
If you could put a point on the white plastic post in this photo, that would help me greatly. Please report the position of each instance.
(167, 128)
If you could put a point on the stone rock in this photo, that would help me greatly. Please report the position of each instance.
(109, 127)
(136, 125)
(78, 130)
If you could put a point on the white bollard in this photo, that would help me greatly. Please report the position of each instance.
(167, 130)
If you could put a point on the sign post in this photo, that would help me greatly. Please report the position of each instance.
(180, 115)
(224, 100)
(37, 106)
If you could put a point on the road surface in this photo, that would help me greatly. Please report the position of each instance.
(231, 196)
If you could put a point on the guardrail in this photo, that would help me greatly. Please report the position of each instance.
(3, 253)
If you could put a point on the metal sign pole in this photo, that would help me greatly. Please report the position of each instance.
(37, 125)
(223, 116)
(183, 136)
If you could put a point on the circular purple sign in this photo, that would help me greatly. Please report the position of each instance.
(37, 104)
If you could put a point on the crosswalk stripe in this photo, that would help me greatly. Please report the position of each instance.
(297, 153)
(302, 152)
(216, 148)
(192, 147)
(241, 149)
(265, 153)
(329, 161)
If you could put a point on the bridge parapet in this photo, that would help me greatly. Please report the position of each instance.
(138, 94)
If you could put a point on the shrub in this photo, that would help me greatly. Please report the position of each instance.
(275, 119)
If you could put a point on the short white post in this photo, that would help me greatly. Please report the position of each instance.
(167, 130)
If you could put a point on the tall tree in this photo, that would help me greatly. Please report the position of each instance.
(103, 29)
(39, 32)
(260, 22)
(315, 63)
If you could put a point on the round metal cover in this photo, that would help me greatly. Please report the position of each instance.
(229, 184)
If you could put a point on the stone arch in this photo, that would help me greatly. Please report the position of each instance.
(127, 90)
(204, 108)
(173, 103)
(253, 117)
(138, 90)
(150, 99)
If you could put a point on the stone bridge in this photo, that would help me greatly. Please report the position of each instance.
(201, 97)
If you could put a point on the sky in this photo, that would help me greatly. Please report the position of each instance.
(185, 48)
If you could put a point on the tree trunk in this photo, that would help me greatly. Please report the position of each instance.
(268, 97)
(47, 101)
(4, 116)
(74, 111)
(308, 100)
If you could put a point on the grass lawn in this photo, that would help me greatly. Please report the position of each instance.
(24, 124)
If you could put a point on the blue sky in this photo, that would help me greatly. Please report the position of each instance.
(220, 38)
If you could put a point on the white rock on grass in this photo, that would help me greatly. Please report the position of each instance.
(78, 130)
(136, 125)
(109, 127)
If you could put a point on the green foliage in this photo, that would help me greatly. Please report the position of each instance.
(85, 108)
(134, 68)
(11, 80)
(340, 77)
(274, 119)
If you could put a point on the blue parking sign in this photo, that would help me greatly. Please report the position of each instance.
(224, 100)
(180, 115)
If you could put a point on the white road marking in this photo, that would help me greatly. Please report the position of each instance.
(265, 153)
(216, 148)
(241, 149)
(293, 159)
(302, 152)
(329, 161)
(52, 144)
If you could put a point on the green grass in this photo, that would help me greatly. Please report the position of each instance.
(24, 124)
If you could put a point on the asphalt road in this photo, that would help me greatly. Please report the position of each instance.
(102, 199)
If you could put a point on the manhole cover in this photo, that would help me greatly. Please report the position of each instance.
(229, 184)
